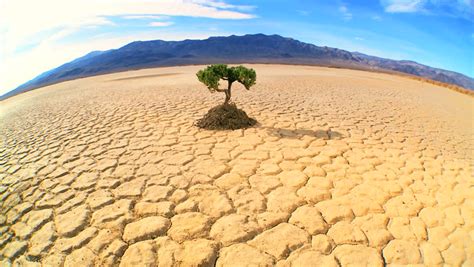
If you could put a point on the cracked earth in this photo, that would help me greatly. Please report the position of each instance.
(345, 168)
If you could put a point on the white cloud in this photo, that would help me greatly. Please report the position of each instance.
(303, 12)
(403, 6)
(160, 23)
(377, 18)
(223, 5)
(145, 17)
(463, 9)
(22, 19)
(346, 14)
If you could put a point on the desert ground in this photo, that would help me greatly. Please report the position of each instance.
(344, 168)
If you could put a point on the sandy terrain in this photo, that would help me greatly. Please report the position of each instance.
(346, 167)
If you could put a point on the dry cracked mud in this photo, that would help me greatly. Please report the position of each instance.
(345, 167)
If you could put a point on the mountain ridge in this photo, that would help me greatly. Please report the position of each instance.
(250, 48)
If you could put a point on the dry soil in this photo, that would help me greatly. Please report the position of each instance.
(345, 167)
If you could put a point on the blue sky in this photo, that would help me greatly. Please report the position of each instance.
(439, 33)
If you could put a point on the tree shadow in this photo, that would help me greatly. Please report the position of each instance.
(298, 133)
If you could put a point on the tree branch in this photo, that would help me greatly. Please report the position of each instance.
(220, 90)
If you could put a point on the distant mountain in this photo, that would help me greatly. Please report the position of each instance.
(257, 48)
(417, 69)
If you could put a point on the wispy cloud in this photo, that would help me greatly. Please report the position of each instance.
(403, 6)
(223, 5)
(303, 12)
(376, 17)
(346, 14)
(23, 19)
(145, 17)
(160, 23)
(450, 8)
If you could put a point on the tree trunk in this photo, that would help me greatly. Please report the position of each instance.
(228, 93)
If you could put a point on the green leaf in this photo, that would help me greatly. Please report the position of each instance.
(211, 75)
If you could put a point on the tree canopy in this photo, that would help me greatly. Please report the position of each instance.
(212, 75)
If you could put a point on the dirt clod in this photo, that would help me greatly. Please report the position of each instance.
(225, 117)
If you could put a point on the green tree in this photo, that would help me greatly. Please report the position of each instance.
(212, 75)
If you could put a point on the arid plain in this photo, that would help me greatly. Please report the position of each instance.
(344, 168)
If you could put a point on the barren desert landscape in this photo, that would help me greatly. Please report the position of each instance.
(344, 168)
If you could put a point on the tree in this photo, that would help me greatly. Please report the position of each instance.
(212, 75)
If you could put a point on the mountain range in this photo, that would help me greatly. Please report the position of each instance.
(255, 48)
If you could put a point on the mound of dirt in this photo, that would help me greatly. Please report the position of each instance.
(225, 117)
